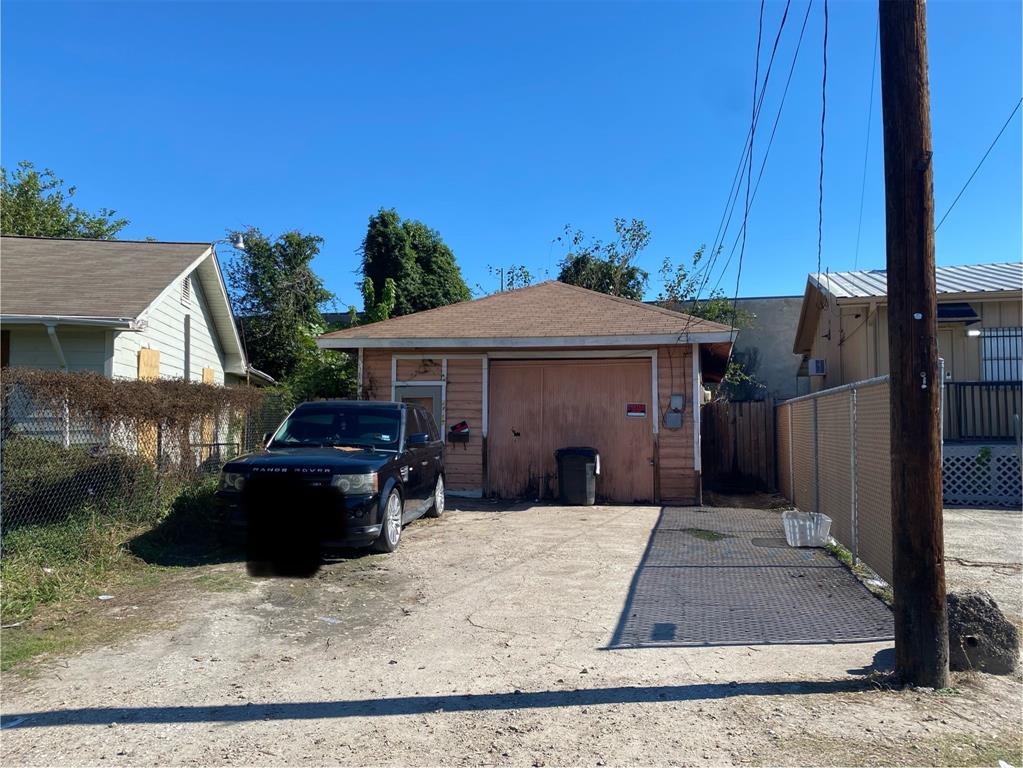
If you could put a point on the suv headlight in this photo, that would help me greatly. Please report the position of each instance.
(232, 481)
(365, 483)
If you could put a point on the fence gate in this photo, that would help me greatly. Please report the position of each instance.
(738, 445)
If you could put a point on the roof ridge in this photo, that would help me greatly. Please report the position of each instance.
(205, 243)
(644, 305)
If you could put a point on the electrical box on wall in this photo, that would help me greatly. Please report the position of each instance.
(676, 408)
(817, 366)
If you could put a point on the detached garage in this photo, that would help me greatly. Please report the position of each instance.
(514, 376)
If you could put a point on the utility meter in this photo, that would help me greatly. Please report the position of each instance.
(673, 416)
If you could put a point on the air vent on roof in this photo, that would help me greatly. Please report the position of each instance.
(186, 292)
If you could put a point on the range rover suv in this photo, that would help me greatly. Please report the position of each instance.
(336, 473)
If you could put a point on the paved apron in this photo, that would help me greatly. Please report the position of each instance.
(727, 577)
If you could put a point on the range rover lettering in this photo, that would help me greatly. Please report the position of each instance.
(336, 473)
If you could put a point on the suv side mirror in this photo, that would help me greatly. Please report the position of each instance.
(418, 438)
(266, 438)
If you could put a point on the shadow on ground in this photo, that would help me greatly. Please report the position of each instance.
(418, 705)
(193, 533)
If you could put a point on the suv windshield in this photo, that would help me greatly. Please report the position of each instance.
(353, 427)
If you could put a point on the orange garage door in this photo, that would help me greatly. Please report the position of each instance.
(538, 406)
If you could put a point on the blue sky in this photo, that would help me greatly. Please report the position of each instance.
(497, 124)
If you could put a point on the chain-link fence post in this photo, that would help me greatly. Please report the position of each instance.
(853, 494)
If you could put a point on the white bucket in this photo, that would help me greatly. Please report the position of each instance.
(806, 529)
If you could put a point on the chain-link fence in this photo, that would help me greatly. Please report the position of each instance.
(834, 457)
(77, 445)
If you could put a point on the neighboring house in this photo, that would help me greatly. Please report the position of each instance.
(546, 367)
(842, 336)
(124, 309)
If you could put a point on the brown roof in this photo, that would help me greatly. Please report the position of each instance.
(88, 278)
(546, 310)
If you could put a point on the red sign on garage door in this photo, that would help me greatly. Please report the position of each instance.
(636, 410)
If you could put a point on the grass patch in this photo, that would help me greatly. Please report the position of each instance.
(874, 584)
(46, 568)
(706, 535)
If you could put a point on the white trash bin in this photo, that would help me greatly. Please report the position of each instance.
(806, 529)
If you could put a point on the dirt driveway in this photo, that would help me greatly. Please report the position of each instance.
(482, 641)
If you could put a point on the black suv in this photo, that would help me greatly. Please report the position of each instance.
(337, 473)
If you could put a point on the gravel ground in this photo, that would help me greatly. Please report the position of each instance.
(482, 641)
(984, 550)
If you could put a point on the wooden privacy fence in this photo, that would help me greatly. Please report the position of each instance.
(738, 445)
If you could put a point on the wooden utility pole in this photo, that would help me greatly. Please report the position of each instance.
(921, 625)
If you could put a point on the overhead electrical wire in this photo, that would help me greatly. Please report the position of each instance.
(866, 151)
(992, 146)
(745, 161)
(824, 112)
(770, 141)
(749, 172)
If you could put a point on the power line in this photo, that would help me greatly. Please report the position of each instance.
(866, 151)
(770, 142)
(705, 272)
(749, 173)
(824, 112)
(1006, 125)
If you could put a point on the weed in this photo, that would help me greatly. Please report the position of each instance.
(705, 535)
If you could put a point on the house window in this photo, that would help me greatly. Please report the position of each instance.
(1001, 352)
(186, 292)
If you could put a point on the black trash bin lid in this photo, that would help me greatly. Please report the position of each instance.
(590, 453)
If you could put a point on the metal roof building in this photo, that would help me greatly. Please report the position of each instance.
(974, 278)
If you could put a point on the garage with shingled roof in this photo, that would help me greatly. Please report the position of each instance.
(515, 376)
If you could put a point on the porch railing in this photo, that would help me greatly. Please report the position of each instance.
(982, 410)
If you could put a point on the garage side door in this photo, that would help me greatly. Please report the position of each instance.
(537, 407)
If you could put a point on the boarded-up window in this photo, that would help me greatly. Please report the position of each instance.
(149, 363)
(149, 434)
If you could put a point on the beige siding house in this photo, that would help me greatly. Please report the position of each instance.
(545, 367)
(123, 309)
(842, 337)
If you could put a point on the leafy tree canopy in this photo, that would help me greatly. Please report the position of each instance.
(277, 297)
(37, 204)
(421, 265)
(607, 267)
(683, 285)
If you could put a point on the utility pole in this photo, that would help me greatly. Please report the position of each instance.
(921, 622)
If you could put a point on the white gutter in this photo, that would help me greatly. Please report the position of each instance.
(350, 342)
(119, 323)
(51, 329)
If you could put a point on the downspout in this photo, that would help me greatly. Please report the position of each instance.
(51, 329)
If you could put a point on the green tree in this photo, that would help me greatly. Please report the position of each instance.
(607, 267)
(277, 297)
(422, 266)
(683, 284)
(377, 309)
(320, 373)
(37, 204)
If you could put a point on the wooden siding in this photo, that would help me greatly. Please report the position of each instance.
(419, 370)
(540, 406)
(679, 483)
(84, 348)
(464, 461)
(676, 476)
(165, 332)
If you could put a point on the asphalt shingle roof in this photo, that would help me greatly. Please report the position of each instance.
(550, 309)
(88, 278)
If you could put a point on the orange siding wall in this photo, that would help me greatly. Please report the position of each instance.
(678, 481)
(464, 461)
(675, 446)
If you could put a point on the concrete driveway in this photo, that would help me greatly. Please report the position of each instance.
(482, 641)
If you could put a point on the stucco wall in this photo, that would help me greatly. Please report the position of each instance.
(772, 333)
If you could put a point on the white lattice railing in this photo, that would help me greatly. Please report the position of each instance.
(981, 475)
